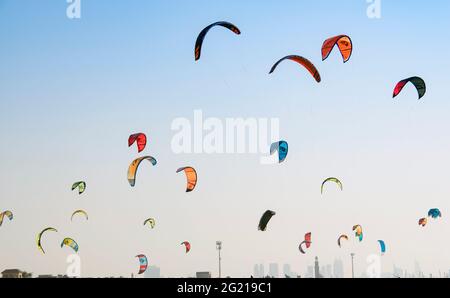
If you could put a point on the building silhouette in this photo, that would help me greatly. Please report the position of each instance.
(258, 271)
(338, 268)
(204, 274)
(316, 268)
(15, 273)
(273, 270)
(153, 272)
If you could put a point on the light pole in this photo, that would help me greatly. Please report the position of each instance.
(219, 248)
(353, 272)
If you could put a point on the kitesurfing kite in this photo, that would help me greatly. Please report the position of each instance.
(419, 83)
(382, 246)
(341, 237)
(282, 148)
(70, 243)
(265, 219)
(344, 44)
(331, 179)
(187, 245)
(191, 176)
(81, 185)
(302, 61)
(140, 139)
(434, 213)
(39, 236)
(132, 169)
(6, 213)
(307, 242)
(423, 222)
(358, 232)
(201, 36)
(151, 222)
(79, 212)
(143, 263)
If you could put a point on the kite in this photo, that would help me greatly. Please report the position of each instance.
(140, 139)
(201, 36)
(308, 239)
(434, 213)
(416, 81)
(382, 246)
(6, 213)
(132, 169)
(79, 212)
(423, 222)
(151, 222)
(358, 232)
(39, 236)
(342, 237)
(302, 61)
(331, 179)
(191, 176)
(282, 148)
(307, 242)
(344, 44)
(81, 185)
(143, 263)
(187, 245)
(70, 243)
(265, 219)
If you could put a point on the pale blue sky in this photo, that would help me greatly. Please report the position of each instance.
(71, 91)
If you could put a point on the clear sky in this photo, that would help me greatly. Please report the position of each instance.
(72, 91)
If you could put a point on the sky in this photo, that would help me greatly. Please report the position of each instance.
(73, 90)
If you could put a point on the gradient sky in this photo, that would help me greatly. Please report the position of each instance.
(72, 91)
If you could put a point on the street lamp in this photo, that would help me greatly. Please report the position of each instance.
(219, 248)
(353, 272)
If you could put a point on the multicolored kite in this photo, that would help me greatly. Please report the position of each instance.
(70, 243)
(6, 213)
(419, 83)
(282, 148)
(187, 245)
(81, 185)
(39, 236)
(132, 169)
(143, 263)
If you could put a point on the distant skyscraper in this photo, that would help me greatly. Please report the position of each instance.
(273, 270)
(338, 268)
(258, 271)
(316, 268)
(152, 272)
(203, 274)
(287, 270)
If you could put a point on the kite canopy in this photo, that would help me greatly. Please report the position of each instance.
(81, 185)
(70, 243)
(132, 169)
(6, 213)
(140, 139)
(302, 61)
(282, 148)
(358, 232)
(300, 246)
(341, 237)
(382, 246)
(265, 219)
(331, 179)
(202, 35)
(191, 176)
(423, 222)
(344, 44)
(39, 236)
(187, 246)
(80, 212)
(308, 239)
(434, 213)
(143, 263)
(419, 83)
(151, 222)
